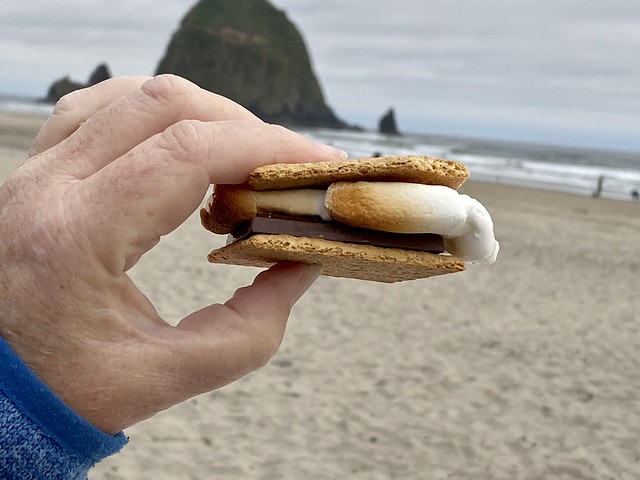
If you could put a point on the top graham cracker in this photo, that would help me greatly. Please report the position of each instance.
(406, 168)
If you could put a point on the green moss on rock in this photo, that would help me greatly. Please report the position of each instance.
(249, 51)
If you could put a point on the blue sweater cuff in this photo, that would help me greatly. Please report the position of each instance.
(75, 435)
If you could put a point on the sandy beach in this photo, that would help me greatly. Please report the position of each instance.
(525, 370)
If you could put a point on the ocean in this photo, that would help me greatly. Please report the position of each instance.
(609, 174)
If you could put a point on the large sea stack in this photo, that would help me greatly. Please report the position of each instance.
(249, 51)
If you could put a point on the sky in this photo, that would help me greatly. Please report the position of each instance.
(545, 71)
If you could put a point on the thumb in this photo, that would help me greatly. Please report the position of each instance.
(225, 342)
(208, 349)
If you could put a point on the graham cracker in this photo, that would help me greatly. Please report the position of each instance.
(406, 168)
(364, 262)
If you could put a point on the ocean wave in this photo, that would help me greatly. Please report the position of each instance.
(586, 172)
(25, 105)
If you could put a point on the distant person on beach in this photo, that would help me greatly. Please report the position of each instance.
(84, 353)
(598, 192)
(635, 195)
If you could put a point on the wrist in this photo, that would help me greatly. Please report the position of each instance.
(50, 414)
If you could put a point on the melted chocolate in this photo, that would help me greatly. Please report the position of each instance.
(317, 228)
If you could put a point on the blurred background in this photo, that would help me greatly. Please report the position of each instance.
(524, 370)
(561, 73)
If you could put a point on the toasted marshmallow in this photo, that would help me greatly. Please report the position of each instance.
(416, 208)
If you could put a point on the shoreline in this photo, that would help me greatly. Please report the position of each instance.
(520, 370)
(17, 130)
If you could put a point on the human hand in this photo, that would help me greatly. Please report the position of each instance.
(114, 168)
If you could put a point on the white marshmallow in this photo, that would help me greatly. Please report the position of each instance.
(301, 201)
(477, 244)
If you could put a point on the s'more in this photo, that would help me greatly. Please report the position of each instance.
(384, 219)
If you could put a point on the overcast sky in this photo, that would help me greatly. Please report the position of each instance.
(551, 71)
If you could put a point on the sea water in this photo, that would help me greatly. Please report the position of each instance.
(610, 174)
(24, 105)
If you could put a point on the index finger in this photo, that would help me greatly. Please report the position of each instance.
(151, 190)
(135, 117)
(76, 107)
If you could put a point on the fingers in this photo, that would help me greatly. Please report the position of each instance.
(155, 187)
(75, 108)
(135, 117)
(242, 335)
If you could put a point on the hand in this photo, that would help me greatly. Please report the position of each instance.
(114, 168)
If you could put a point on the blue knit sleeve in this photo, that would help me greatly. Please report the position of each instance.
(41, 437)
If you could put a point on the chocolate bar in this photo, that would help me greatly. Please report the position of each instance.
(317, 228)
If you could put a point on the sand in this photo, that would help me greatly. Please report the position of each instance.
(527, 369)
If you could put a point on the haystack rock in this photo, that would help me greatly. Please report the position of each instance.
(387, 123)
(249, 51)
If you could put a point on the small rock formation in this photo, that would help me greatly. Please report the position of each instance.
(249, 51)
(387, 123)
(65, 85)
(60, 88)
(100, 74)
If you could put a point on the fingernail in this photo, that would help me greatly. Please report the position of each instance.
(333, 151)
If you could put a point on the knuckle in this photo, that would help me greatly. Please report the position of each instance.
(167, 88)
(183, 140)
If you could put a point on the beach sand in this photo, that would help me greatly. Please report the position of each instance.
(527, 369)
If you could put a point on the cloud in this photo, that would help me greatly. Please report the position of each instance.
(564, 65)
(561, 64)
